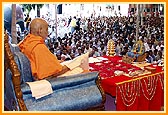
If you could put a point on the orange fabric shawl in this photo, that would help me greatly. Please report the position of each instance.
(43, 62)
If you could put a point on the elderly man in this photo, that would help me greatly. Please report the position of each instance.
(43, 63)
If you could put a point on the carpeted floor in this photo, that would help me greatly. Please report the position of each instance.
(110, 103)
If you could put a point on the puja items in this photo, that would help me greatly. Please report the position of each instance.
(127, 59)
(151, 69)
(118, 73)
(111, 48)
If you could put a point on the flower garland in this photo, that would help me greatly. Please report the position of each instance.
(161, 79)
(149, 87)
(129, 92)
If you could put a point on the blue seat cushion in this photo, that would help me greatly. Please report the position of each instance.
(14, 48)
(24, 67)
(66, 96)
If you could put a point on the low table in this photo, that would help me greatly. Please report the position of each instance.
(142, 92)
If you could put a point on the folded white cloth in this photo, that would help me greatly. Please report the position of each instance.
(93, 60)
(40, 88)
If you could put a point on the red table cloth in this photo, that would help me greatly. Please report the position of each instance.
(142, 93)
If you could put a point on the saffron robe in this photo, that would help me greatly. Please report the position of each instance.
(43, 62)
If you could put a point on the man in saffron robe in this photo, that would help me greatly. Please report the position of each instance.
(43, 62)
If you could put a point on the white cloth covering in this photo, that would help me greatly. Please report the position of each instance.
(96, 59)
(40, 88)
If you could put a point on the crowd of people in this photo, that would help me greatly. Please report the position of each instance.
(92, 34)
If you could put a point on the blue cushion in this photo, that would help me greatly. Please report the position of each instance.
(79, 97)
(58, 83)
(73, 80)
(66, 96)
(9, 94)
(23, 64)
(14, 48)
(24, 67)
